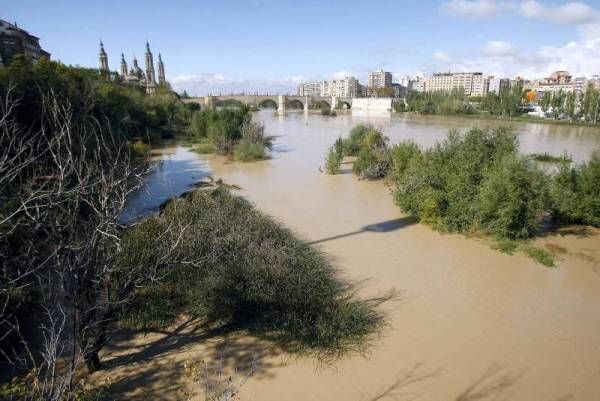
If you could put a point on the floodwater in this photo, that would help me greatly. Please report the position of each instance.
(469, 318)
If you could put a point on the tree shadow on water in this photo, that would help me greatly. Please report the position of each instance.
(382, 227)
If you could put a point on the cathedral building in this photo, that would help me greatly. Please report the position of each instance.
(135, 75)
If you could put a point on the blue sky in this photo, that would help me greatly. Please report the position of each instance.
(213, 46)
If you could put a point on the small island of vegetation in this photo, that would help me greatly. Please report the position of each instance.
(476, 182)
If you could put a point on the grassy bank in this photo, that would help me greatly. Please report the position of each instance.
(236, 267)
(477, 183)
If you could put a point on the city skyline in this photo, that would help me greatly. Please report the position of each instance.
(302, 42)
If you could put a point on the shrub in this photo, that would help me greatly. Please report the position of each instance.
(441, 186)
(204, 146)
(247, 151)
(512, 197)
(326, 111)
(333, 161)
(575, 192)
(539, 255)
(373, 159)
(140, 149)
(255, 133)
(235, 266)
(357, 134)
(401, 156)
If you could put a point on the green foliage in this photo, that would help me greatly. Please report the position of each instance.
(538, 254)
(354, 141)
(250, 272)
(402, 155)
(575, 192)
(203, 146)
(373, 157)
(506, 245)
(140, 149)
(327, 111)
(506, 103)
(246, 151)
(512, 197)
(440, 102)
(441, 186)
(548, 158)
(333, 161)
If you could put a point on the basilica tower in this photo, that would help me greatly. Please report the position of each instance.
(150, 76)
(123, 66)
(161, 70)
(103, 60)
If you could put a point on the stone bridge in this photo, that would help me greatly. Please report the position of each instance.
(280, 102)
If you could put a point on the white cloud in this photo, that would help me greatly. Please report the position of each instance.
(342, 74)
(442, 57)
(216, 83)
(568, 13)
(475, 9)
(499, 48)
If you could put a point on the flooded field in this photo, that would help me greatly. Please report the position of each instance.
(467, 312)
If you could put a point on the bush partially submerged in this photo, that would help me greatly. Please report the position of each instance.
(254, 144)
(373, 156)
(238, 267)
(575, 192)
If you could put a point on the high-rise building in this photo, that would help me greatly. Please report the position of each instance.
(379, 79)
(14, 40)
(498, 84)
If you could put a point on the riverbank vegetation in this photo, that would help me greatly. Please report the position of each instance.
(478, 182)
(229, 132)
(239, 269)
(72, 147)
(509, 103)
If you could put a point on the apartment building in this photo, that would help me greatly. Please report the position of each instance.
(498, 84)
(346, 87)
(380, 79)
(473, 83)
(14, 40)
(309, 89)
(416, 85)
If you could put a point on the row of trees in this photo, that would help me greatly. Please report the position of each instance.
(573, 106)
(508, 103)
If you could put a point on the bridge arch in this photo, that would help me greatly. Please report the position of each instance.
(321, 104)
(295, 104)
(344, 104)
(267, 104)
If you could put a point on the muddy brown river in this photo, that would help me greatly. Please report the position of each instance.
(470, 318)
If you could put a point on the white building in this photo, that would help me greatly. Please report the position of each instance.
(416, 85)
(309, 89)
(472, 83)
(379, 79)
(498, 84)
(347, 87)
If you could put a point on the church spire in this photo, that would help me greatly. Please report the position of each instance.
(150, 76)
(161, 70)
(123, 65)
(103, 60)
